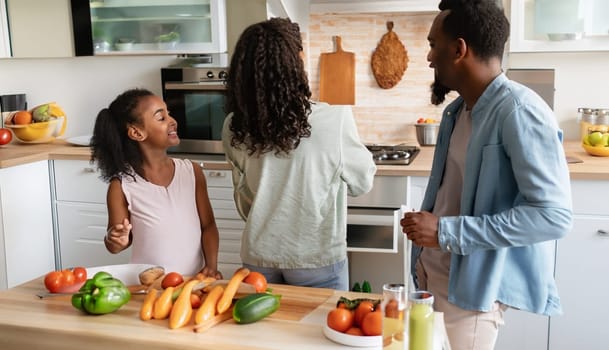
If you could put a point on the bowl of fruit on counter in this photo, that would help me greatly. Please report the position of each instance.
(43, 123)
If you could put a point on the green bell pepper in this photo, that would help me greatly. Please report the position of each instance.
(101, 294)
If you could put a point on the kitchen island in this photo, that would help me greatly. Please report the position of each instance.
(29, 322)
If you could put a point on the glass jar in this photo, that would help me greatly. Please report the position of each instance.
(420, 321)
(587, 119)
(393, 306)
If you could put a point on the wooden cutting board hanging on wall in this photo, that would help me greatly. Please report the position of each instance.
(337, 76)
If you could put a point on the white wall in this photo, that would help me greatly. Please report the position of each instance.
(581, 80)
(81, 85)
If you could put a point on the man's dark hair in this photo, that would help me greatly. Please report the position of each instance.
(481, 23)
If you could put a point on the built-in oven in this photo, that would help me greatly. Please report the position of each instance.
(196, 97)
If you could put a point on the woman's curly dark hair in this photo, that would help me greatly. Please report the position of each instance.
(115, 153)
(267, 89)
(481, 23)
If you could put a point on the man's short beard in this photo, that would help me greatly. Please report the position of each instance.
(438, 92)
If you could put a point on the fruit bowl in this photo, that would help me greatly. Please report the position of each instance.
(38, 132)
(601, 151)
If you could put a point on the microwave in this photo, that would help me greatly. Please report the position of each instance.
(196, 98)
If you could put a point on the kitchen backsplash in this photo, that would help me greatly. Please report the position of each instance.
(384, 116)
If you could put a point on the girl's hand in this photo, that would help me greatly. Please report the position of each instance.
(119, 233)
(209, 272)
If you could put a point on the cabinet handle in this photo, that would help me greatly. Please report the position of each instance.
(216, 174)
(88, 170)
(603, 233)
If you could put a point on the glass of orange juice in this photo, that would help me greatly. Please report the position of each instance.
(394, 316)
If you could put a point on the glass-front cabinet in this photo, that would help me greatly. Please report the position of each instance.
(559, 25)
(111, 27)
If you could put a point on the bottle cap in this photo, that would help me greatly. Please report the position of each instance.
(421, 297)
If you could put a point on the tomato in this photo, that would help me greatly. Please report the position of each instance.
(53, 281)
(195, 301)
(5, 136)
(257, 280)
(372, 324)
(68, 277)
(80, 274)
(65, 281)
(172, 279)
(362, 310)
(340, 319)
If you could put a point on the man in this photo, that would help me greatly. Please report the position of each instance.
(499, 191)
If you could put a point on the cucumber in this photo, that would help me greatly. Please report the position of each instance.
(255, 307)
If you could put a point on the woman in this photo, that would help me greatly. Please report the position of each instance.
(294, 162)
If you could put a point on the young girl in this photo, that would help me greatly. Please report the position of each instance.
(156, 204)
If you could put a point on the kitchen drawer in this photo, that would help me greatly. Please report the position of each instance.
(218, 178)
(228, 270)
(230, 246)
(589, 197)
(225, 193)
(228, 233)
(231, 258)
(224, 209)
(82, 228)
(78, 181)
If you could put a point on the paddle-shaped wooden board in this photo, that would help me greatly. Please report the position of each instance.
(337, 76)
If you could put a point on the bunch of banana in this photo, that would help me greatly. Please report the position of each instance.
(47, 111)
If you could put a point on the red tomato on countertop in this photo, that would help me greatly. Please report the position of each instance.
(65, 281)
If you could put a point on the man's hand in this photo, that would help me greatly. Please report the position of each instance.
(421, 228)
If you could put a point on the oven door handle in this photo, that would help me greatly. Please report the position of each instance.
(204, 85)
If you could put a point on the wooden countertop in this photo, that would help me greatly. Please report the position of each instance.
(592, 168)
(28, 322)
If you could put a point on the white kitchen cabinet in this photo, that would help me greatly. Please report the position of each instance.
(150, 27)
(582, 263)
(230, 225)
(26, 227)
(387, 267)
(81, 216)
(559, 25)
(40, 28)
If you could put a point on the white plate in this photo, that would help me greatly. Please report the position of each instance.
(353, 340)
(127, 273)
(84, 140)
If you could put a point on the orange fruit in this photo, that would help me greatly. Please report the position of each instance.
(257, 280)
(354, 331)
(22, 118)
(363, 308)
(340, 320)
(372, 324)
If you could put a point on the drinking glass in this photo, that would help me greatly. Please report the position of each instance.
(394, 310)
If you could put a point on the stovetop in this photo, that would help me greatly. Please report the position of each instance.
(393, 155)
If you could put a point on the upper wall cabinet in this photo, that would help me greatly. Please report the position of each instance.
(103, 27)
(559, 25)
(67, 28)
(39, 28)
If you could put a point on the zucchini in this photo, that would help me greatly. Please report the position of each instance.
(255, 307)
